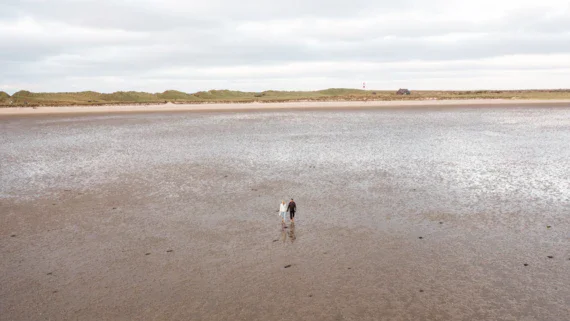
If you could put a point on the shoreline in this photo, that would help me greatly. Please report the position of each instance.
(297, 105)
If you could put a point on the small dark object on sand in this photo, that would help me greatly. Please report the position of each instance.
(349, 268)
(147, 254)
(274, 241)
(67, 190)
(525, 264)
(114, 208)
(421, 237)
(550, 257)
(548, 226)
(287, 266)
(49, 273)
(169, 251)
(310, 295)
(421, 290)
(440, 222)
(225, 175)
(13, 235)
(53, 204)
(54, 291)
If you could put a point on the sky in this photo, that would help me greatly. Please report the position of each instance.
(256, 45)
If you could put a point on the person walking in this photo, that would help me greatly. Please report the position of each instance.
(282, 211)
(292, 208)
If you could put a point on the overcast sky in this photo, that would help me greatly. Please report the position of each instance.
(254, 45)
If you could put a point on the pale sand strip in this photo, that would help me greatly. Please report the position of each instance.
(313, 105)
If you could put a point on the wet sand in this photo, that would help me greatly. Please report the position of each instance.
(261, 106)
(404, 214)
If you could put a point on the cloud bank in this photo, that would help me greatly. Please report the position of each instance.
(253, 45)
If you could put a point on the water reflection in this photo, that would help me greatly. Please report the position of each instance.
(283, 232)
(291, 232)
(288, 233)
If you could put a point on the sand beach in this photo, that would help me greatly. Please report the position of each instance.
(423, 213)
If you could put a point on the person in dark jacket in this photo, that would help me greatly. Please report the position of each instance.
(292, 208)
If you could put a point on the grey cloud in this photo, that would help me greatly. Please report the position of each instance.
(139, 39)
(108, 15)
(164, 14)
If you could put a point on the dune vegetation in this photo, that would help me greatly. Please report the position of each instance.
(27, 98)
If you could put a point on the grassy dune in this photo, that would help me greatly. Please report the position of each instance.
(26, 98)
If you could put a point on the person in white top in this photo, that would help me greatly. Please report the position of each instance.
(283, 211)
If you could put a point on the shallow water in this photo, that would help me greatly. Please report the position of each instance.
(89, 196)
